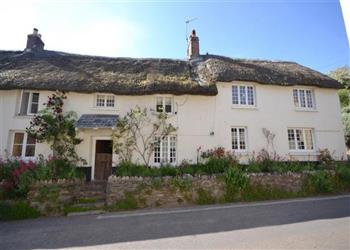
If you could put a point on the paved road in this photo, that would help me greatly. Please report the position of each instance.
(169, 226)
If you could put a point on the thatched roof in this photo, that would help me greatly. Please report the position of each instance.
(51, 70)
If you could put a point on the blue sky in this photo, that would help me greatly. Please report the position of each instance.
(309, 32)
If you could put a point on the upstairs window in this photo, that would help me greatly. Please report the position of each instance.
(23, 145)
(303, 98)
(239, 138)
(243, 95)
(105, 101)
(29, 103)
(165, 149)
(164, 104)
(300, 139)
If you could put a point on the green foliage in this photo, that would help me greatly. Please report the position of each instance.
(75, 209)
(129, 202)
(346, 122)
(17, 211)
(319, 182)
(18, 175)
(342, 75)
(87, 200)
(204, 197)
(325, 159)
(56, 128)
(344, 97)
(235, 181)
(129, 136)
(343, 173)
(260, 193)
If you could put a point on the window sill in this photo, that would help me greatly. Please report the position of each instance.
(240, 152)
(305, 110)
(105, 109)
(304, 153)
(244, 107)
(24, 116)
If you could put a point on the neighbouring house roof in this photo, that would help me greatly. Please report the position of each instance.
(52, 70)
(96, 121)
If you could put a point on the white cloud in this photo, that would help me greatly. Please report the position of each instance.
(72, 28)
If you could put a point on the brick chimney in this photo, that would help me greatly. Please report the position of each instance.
(34, 41)
(193, 46)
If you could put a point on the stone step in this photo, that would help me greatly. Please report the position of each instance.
(98, 204)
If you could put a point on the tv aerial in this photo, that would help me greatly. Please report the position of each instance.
(187, 22)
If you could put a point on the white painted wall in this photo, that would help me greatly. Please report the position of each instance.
(197, 116)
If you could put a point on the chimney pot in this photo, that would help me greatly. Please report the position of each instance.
(35, 31)
(193, 46)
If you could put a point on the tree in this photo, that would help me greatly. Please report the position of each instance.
(342, 75)
(56, 128)
(136, 133)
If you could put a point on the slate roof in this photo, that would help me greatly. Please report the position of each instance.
(52, 70)
(96, 121)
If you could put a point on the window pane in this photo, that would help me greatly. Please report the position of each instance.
(100, 101)
(242, 95)
(242, 138)
(295, 97)
(18, 139)
(168, 108)
(164, 149)
(110, 101)
(250, 92)
(302, 98)
(159, 106)
(157, 150)
(17, 150)
(34, 108)
(309, 99)
(24, 103)
(291, 139)
(172, 149)
(234, 138)
(30, 140)
(300, 139)
(35, 97)
(235, 95)
(30, 150)
(308, 139)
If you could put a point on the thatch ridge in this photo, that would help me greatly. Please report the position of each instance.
(54, 70)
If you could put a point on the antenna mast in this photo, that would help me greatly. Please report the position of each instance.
(187, 22)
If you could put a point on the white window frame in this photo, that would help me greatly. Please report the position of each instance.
(239, 104)
(299, 99)
(239, 139)
(105, 97)
(169, 141)
(30, 102)
(297, 149)
(163, 103)
(24, 145)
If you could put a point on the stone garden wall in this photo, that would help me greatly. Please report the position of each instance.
(50, 197)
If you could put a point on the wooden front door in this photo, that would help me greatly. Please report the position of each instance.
(103, 159)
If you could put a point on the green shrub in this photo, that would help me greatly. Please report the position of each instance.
(343, 174)
(260, 192)
(318, 182)
(235, 181)
(17, 211)
(204, 197)
(129, 202)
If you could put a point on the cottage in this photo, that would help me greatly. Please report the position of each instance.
(242, 105)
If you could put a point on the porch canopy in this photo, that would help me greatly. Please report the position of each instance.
(96, 121)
